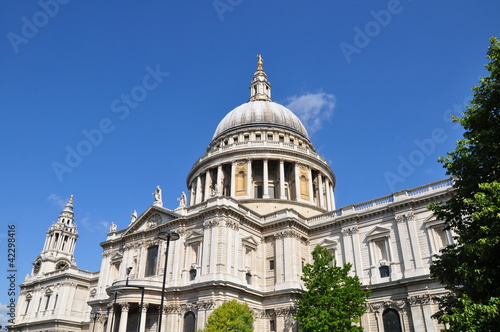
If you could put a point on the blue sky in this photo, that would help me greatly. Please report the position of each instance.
(374, 82)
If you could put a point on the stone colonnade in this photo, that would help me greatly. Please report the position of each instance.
(266, 179)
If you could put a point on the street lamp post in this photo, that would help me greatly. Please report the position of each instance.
(129, 269)
(169, 236)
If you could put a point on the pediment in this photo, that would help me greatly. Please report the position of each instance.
(328, 243)
(194, 235)
(378, 231)
(250, 241)
(116, 257)
(151, 218)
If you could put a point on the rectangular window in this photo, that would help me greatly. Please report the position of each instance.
(384, 271)
(332, 252)
(27, 306)
(258, 192)
(151, 261)
(270, 137)
(257, 137)
(249, 278)
(246, 138)
(282, 138)
(271, 264)
(192, 274)
(47, 303)
(272, 326)
(271, 192)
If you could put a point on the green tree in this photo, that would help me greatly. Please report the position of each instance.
(230, 316)
(334, 300)
(470, 268)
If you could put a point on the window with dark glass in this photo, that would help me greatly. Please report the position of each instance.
(27, 306)
(258, 191)
(189, 322)
(151, 261)
(47, 303)
(384, 271)
(391, 321)
(272, 325)
(192, 274)
(271, 264)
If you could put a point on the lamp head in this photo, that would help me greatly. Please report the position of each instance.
(168, 235)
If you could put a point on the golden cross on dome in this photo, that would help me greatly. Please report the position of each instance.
(70, 199)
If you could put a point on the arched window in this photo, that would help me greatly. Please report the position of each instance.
(391, 321)
(189, 322)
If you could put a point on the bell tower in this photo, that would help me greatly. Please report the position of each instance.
(58, 250)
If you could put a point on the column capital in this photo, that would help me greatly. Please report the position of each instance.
(125, 306)
(404, 217)
(144, 307)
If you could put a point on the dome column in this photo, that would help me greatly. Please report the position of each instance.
(219, 180)
(320, 191)
(297, 182)
(233, 170)
(265, 184)
(311, 191)
(330, 196)
(327, 194)
(208, 184)
(199, 192)
(191, 195)
(282, 179)
(249, 179)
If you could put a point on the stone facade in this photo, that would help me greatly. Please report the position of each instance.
(260, 199)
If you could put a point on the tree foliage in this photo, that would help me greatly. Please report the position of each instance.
(470, 268)
(230, 316)
(334, 300)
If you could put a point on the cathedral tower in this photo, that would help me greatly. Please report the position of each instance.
(59, 248)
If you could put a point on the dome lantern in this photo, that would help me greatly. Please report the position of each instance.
(260, 89)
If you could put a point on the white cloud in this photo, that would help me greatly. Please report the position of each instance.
(105, 225)
(57, 200)
(89, 225)
(312, 109)
(4, 319)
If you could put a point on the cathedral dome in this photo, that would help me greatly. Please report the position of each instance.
(261, 112)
